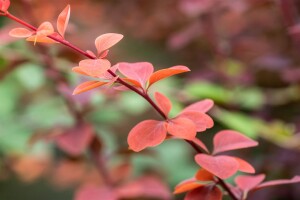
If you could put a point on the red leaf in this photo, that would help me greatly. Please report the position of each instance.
(45, 29)
(93, 192)
(63, 20)
(148, 133)
(94, 68)
(200, 106)
(187, 185)
(201, 120)
(221, 166)
(164, 73)
(204, 175)
(20, 32)
(205, 193)
(230, 140)
(200, 144)
(140, 71)
(75, 140)
(40, 39)
(105, 41)
(148, 187)
(91, 53)
(245, 166)
(163, 103)
(295, 179)
(4, 5)
(89, 85)
(182, 128)
(247, 183)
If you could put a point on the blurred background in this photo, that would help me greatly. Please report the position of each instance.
(244, 54)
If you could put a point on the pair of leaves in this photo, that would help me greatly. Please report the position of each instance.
(4, 5)
(226, 166)
(45, 29)
(142, 75)
(151, 133)
(252, 183)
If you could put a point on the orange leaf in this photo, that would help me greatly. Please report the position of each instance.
(163, 103)
(95, 68)
(147, 133)
(205, 193)
(105, 41)
(89, 85)
(79, 71)
(133, 82)
(165, 73)
(200, 106)
(45, 29)
(245, 166)
(187, 185)
(4, 5)
(41, 39)
(221, 166)
(63, 20)
(20, 32)
(201, 120)
(182, 128)
(204, 175)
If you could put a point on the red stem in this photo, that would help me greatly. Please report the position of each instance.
(119, 80)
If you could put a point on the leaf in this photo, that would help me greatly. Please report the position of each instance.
(200, 144)
(204, 175)
(148, 133)
(94, 68)
(165, 73)
(221, 166)
(200, 106)
(75, 140)
(94, 192)
(89, 85)
(247, 183)
(187, 185)
(182, 128)
(140, 71)
(163, 103)
(40, 39)
(105, 41)
(230, 140)
(4, 5)
(20, 32)
(201, 120)
(295, 179)
(45, 29)
(245, 166)
(148, 187)
(63, 20)
(205, 193)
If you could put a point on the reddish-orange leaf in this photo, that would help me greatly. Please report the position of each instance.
(95, 68)
(295, 179)
(40, 39)
(105, 41)
(79, 71)
(245, 166)
(75, 140)
(95, 192)
(103, 54)
(221, 166)
(132, 82)
(187, 185)
(20, 33)
(205, 193)
(139, 72)
(200, 144)
(165, 73)
(4, 5)
(91, 53)
(147, 133)
(89, 85)
(182, 128)
(230, 140)
(45, 29)
(201, 120)
(247, 183)
(200, 106)
(63, 20)
(204, 175)
(163, 103)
